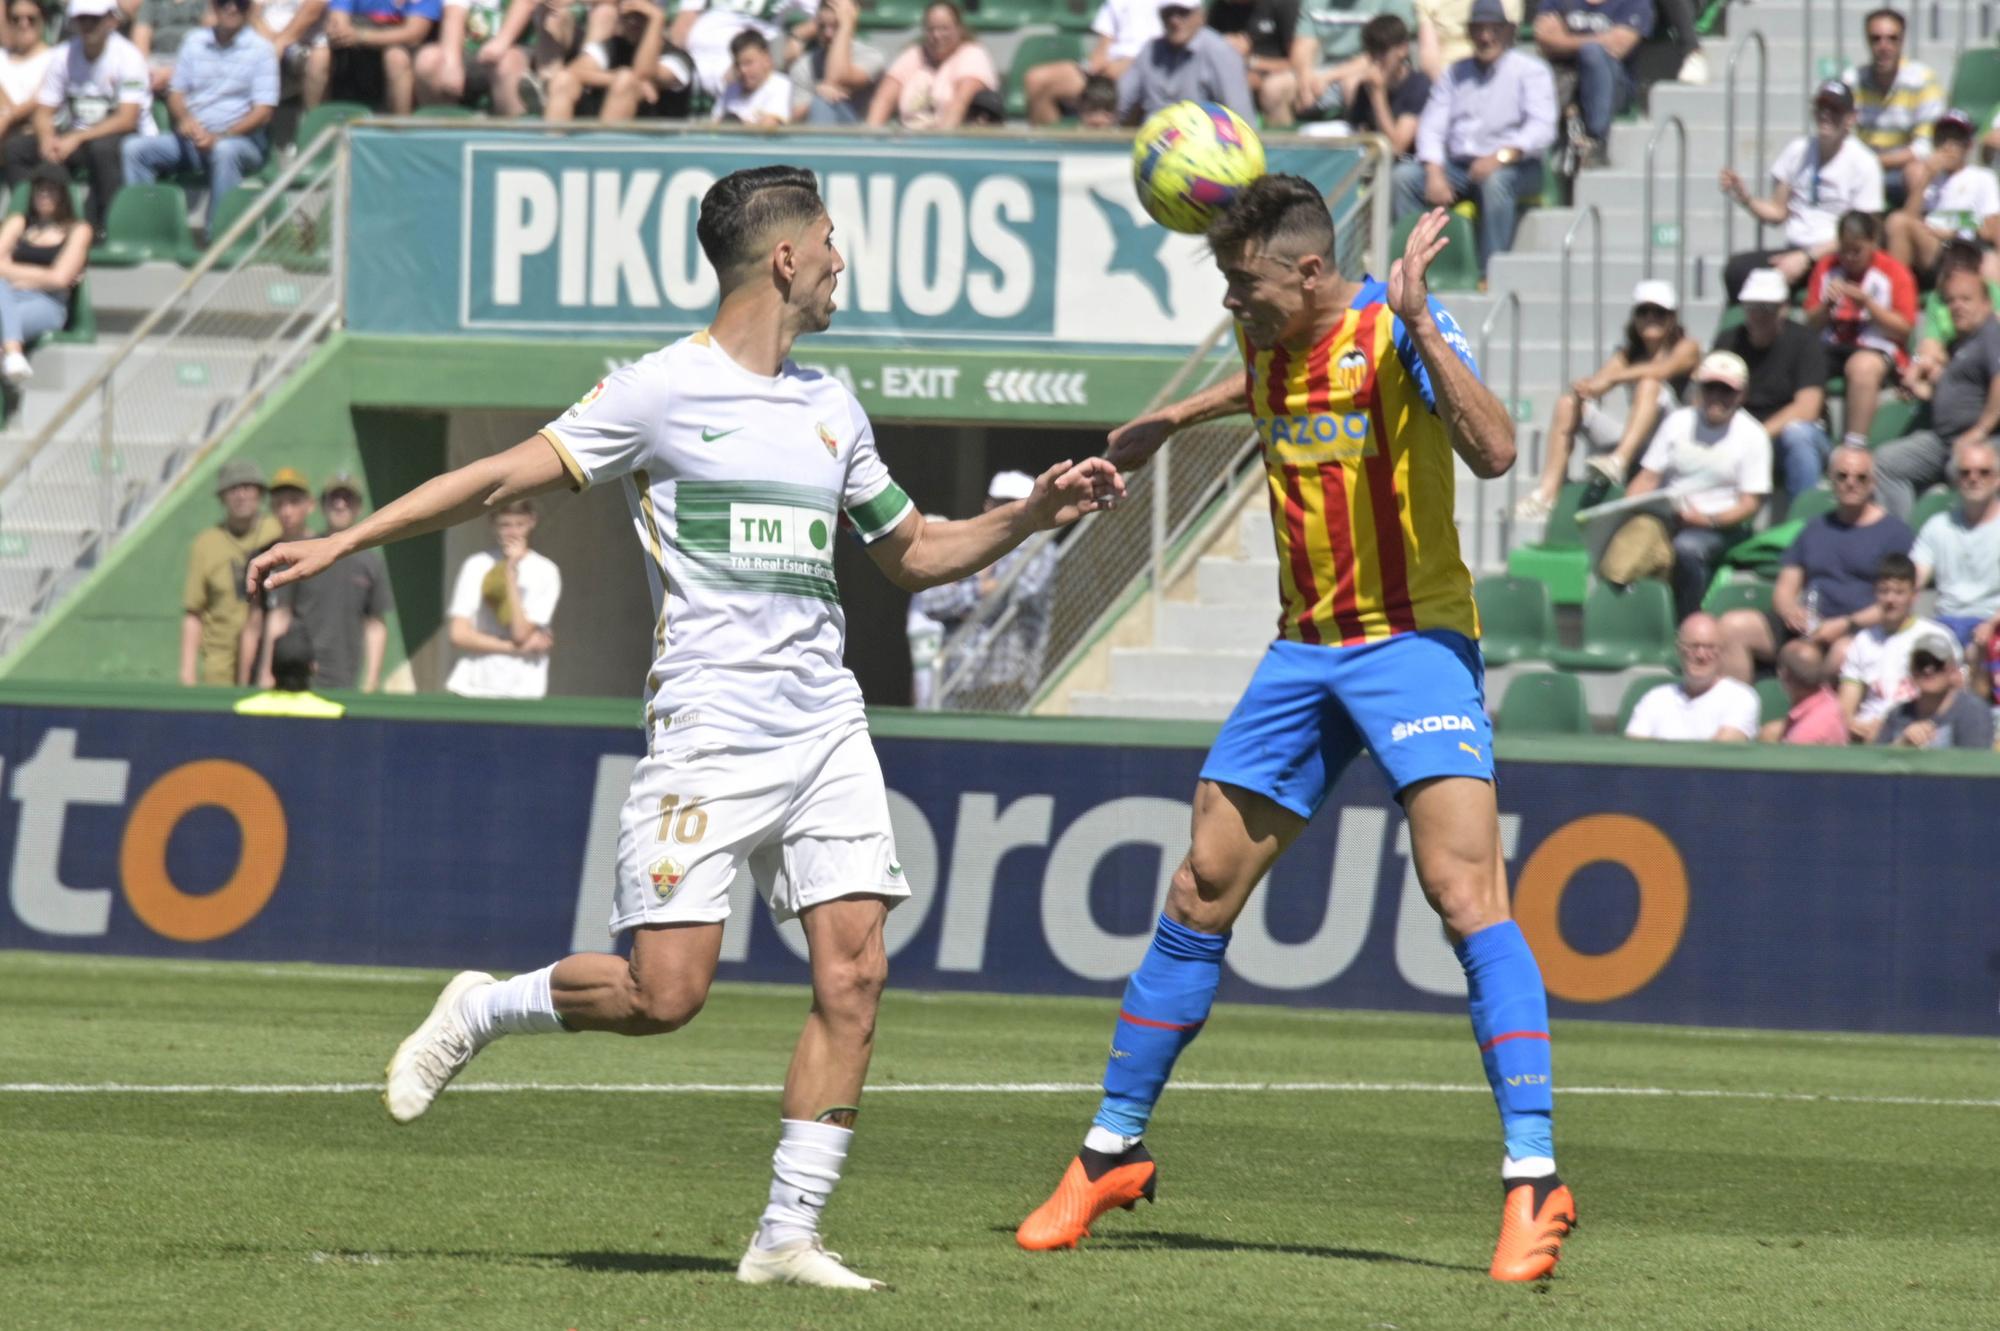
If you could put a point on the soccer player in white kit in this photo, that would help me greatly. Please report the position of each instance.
(738, 466)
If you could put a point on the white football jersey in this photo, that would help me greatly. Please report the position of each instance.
(736, 483)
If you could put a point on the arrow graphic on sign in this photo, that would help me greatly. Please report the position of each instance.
(1042, 388)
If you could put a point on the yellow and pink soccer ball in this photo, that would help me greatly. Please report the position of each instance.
(1189, 162)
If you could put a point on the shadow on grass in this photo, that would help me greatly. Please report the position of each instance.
(637, 1263)
(1157, 1240)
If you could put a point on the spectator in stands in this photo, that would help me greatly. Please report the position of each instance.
(633, 73)
(838, 70)
(213, 598)
(1957, 197)
(1875, 675)
(478, 57)
(1381, 93)
(1653, 367)
(1444, 35)
(270, 613)
(296, 30)
(1483, 133)
(705, 28)
(1962, 385)
(1939, 714)
(1186, 61)
(1704, 703)
(374, 50)
(1280, 54)
(1959, 548)
(1787, 389)
(96, 92)
(289, 690)
(158, 27)
(1715, 462)
(1123, 27)
(758, 94)
(224, 92)
(42, 256)
(344, 611)
(500, 611)
(1813, 181)
(931, 85)
(1814, 714)
(1594, 48)
(1897, 102)
(987, 663)
(1826, 582)
(1098, 107)
(24, 63)
(1864, 303)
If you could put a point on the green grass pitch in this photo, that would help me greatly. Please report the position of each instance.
(1726, 1179)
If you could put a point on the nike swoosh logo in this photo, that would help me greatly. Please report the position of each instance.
(709, 436)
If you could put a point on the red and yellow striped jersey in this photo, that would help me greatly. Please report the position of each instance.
(1361, 480)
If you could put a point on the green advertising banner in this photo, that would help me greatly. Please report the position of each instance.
(1031, 245)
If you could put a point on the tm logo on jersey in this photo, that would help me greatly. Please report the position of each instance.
(1429, 725)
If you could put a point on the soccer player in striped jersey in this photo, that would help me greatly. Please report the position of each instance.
(1362, 392)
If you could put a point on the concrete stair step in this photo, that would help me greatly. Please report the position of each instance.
(1160, 670)
(1191, 626)
(1236, 581)
(1153, 707)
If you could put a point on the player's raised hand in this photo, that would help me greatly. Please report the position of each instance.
(1067, 491)
(1133, 444)
(1409, 292)
(292, 561)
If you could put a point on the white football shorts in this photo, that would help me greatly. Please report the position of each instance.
(809, 820)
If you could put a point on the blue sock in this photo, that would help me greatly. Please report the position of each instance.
(1166, 1001)
(1510, 1019)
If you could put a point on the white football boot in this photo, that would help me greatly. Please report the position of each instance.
(424, 1064)
(804, 1263)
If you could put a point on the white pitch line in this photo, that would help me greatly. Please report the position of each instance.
(984, 1088)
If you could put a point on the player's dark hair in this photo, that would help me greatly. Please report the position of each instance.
(1099, 94)
(739, 211)
(1896, 568)
(1383, 34)
(1857, 225)
(292, 659)
(1273, 209)
(1885, 12)
(748, 39)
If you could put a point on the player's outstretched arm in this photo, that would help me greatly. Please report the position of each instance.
(531, 467)
(924, 553)
(1133, 444)
(1481, 430)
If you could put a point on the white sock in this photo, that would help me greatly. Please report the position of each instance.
(1534, 1166)
(520, 1006)
(805, 1169)
(1106, 1142)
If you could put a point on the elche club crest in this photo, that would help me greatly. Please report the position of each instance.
(666, 875)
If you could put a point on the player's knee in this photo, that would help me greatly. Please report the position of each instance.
(667, 1005)
(848, 992)
(1195, 897)
(1467, 898)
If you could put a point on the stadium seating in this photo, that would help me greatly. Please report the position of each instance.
(1975, 84)
(1772, 700)
(1544, 702)
(1937, 501)
(145, 222)
(1457, 269)
(223, 215)
(1894, 418)
(81, 330)
(1634, 691)
(1040, 48)
(1738, 594)
(1517, 621)
(1810, 504)
(1559, 559)
(1622, 629)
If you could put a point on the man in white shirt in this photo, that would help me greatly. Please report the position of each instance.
(1813, 181)
(1957, 197)
(96, 91)
(1876, 673)
(1704, 703)
(1715, 459)
(1123, 27)
(758, 95)
(738, 468)
(501, 609)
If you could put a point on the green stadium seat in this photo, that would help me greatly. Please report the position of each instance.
(1738, 594)
(1622, 629)
(1975, 84)
(311, 125)
(81, 330)
(1810, 504)
(145, 222)
(1894, 418)
(889, 14)
(1558, 560)
(1774, 703)
(223, 215)
(446, 111)
(1040, 48)
(1938, 500)
(1517, 621)
(1732, 318)
(1634, 691)
(1457, 269)
(1544, 702)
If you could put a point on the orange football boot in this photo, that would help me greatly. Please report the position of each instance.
(1537, 1216)
(1092, 1185)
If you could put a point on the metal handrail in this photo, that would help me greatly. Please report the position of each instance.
(1680, 197)
(1589, 214)
(1510, 302)
(1729, 128)
(275, 195)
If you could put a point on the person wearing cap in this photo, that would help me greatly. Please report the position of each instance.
(1703, 705)
(1188, 61)
(97, 91)
(1896, 103)
(271, 614)
(1959, 197)
(1483, 133)
(1940, 713)
(288, 691)
(1595, 43)
(1716, 463)
(24, 62)
(1812, 714)
(1787, 390)
(374, 45)
(42, 256)
(1814, 180)
(1864, 304)
(932, 83)
(1653, 367)
(345, 611)
(214, 601)
(1875, 672)
(1961, 384)
(223, 94)
(986, 663)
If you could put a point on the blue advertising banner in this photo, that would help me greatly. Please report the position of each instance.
(949, 242)
(1711, 896)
